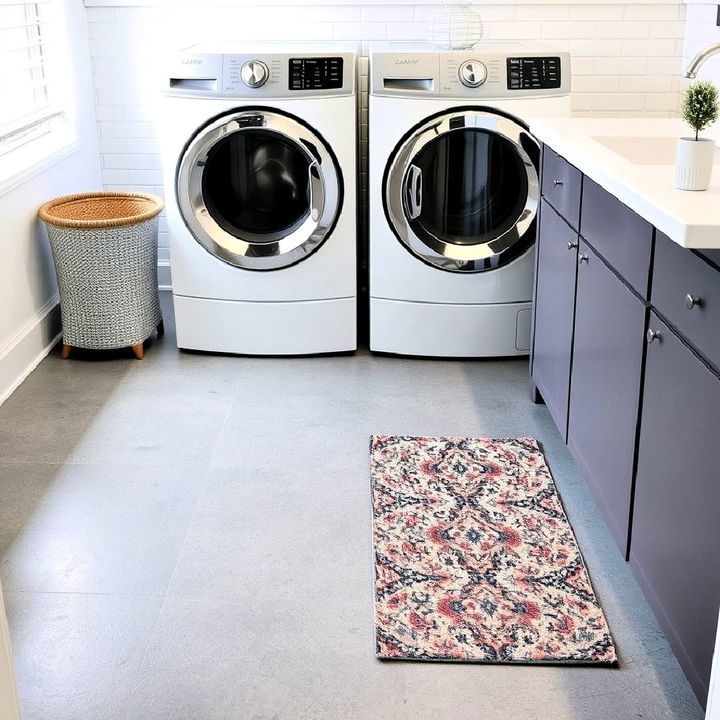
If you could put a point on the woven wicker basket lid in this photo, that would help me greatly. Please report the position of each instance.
(100, 209)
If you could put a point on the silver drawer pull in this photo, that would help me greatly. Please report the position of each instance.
(572, 244)
(691, 301)
(582, 257)
(653, 335)
(557, 182)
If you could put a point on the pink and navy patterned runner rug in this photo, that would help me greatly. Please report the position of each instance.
(475, 559)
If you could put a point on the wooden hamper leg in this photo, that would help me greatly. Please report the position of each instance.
(65, 352)
(138, 350)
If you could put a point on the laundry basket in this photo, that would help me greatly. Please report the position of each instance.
(104, 246)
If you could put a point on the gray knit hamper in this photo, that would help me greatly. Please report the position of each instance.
(104, 246)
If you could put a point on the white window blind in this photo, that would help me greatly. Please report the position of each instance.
(28, 100)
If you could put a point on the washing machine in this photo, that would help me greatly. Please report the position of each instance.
(259, 162)
(453, 195)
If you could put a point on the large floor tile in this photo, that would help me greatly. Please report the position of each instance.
(283, 671)
(342, 376)
(47, 426)
(208, 520)
(23, 489)
(282, 543)
(300, 669)
(154, 428)
(97, 528)
(86, 375)
(299, 431)
(77, 656)
(184, 372)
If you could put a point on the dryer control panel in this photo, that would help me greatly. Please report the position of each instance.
(490, 71)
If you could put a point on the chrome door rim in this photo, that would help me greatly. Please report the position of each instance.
(431, 249)
(253, 251)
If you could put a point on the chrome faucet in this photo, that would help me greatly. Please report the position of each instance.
(700, 58)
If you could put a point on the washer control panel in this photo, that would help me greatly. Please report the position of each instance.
(472, 73)
(254, 73)
(259, 73)
(533, 73)
(317, 73)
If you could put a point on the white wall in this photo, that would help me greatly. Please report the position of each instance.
(701, 30)
(8, 695)
(28, 291)
(626, 57)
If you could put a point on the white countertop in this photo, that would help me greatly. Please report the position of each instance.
(634, 159)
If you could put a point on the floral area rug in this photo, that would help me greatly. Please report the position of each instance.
(475, 559)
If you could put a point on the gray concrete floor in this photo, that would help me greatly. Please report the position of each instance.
(188, 537)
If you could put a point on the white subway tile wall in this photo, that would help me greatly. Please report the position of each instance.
(626, 59)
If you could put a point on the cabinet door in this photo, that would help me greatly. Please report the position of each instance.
(676, 519)
(554, 302)
(605, 387)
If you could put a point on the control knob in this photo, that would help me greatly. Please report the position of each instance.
(254, 73)
(472, 73)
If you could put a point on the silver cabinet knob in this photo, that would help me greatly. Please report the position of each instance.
(582, 257)
(572, 244)
(653, 335)
(557, 182)
(254, 73)
(472, 73)
(691, 301)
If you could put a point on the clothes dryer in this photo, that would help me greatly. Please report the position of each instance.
(259, 168)
(453, 195)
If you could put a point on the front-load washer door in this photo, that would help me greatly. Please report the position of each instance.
(259, 189)
(461, 190)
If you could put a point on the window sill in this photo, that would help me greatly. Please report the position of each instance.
(30, 160)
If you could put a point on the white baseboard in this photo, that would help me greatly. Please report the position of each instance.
(22, 353)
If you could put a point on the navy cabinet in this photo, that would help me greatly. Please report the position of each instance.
(605, 387)
(640, 411)
(588, 335)
(557, 245)
(676, 524)
(686, 291)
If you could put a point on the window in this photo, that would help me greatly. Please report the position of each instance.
(34, 121)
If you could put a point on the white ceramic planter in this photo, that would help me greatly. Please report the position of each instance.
(694, 163)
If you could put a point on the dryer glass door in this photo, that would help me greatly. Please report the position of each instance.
(461, 192)
(259, 189)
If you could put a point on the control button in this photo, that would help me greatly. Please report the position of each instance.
(472, 73)
(254, 73)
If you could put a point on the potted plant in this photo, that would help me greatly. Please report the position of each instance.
(695, 155)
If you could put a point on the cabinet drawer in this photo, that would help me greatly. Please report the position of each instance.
(712, 255)
(561, 186)
(618, 233)
(678, 276)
